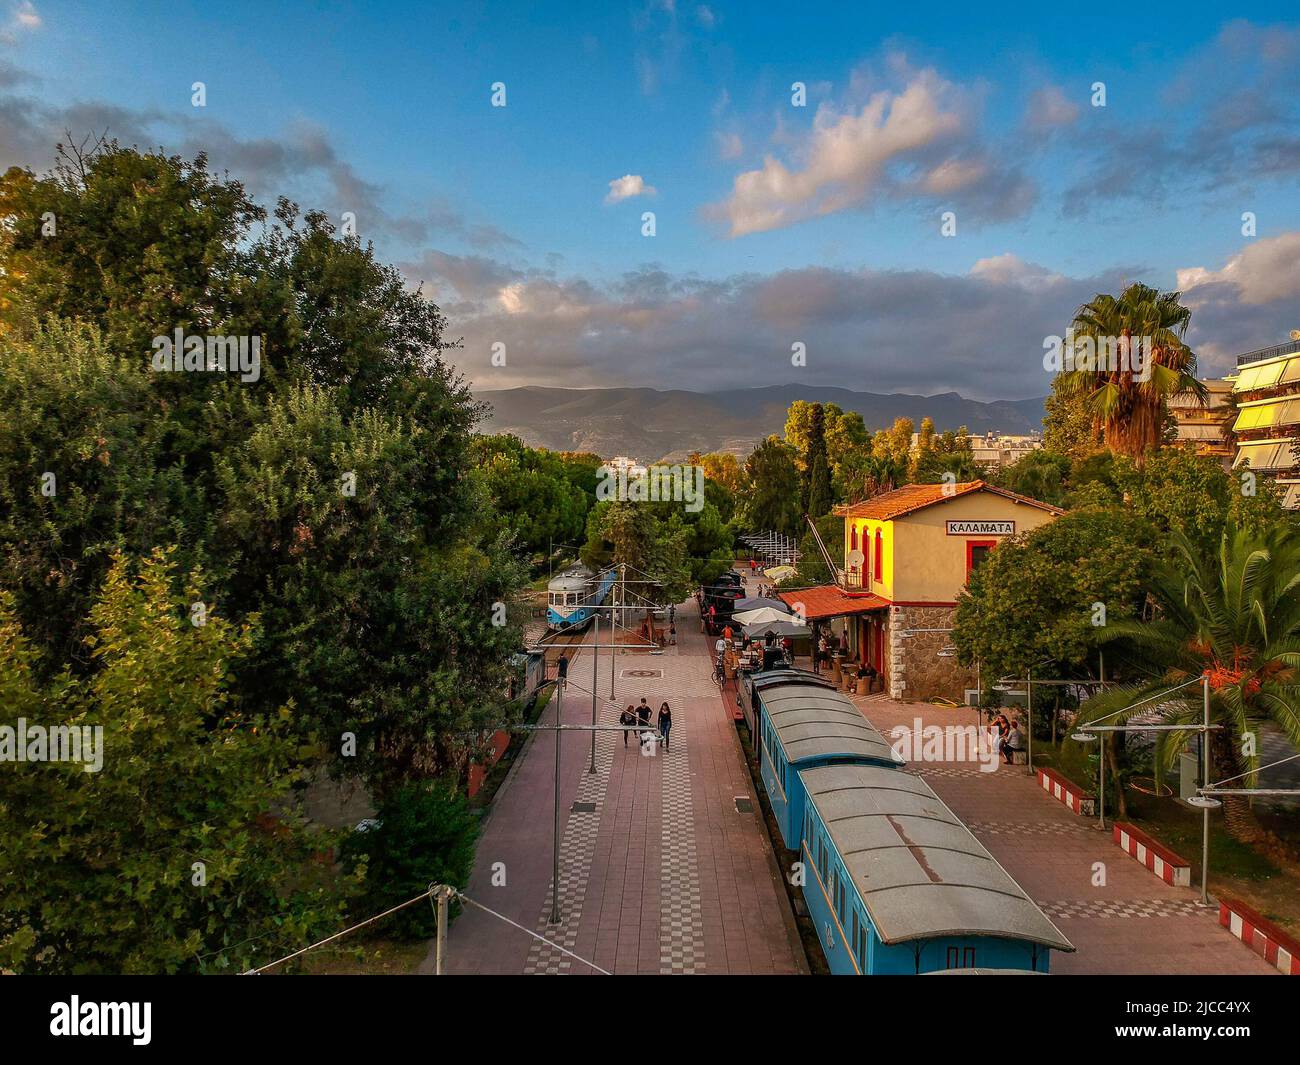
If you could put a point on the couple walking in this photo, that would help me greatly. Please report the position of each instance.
(640, 715)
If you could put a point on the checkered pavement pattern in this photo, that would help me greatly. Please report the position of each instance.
(1028, 828)
(1112, 907)
(681, 929)
(577, 848)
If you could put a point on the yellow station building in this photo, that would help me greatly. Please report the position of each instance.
(907, 555)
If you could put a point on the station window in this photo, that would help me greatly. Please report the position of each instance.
(961, 958)
(977, 551)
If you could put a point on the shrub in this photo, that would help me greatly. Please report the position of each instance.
(425, 835)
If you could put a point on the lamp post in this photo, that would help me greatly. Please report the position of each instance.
(1202, 801)
(555, 849)
(595, 665)
(1205, 802)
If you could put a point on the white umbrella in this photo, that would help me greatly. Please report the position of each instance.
(762, 616)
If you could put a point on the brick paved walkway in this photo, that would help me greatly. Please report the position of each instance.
(1133, 924)
(659, 873)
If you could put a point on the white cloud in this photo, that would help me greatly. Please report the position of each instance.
(1049, 108)
(917, 141)
(1009, 269)
(23, 17)
(1262, 272)
(628, 186)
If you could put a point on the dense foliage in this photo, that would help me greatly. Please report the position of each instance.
(165, 858)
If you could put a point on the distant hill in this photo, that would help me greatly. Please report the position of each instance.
(651, 425)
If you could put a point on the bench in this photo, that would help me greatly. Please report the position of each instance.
(1260, 934)
(1168, 866)
(1066, 791)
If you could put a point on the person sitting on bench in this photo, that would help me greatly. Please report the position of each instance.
(1011, 742)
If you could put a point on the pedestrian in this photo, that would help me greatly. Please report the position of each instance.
(672, 633)
(753, 566)
(727, 632)
(627, 719)
(643, 714)
(665, 722)
(769, 638)
(823, 652)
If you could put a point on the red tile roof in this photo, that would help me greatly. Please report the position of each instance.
(913, 497)
(828, 601)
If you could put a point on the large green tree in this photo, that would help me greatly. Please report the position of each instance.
(164, 859)
(335, 496)
(771, 500)
(1043, 598)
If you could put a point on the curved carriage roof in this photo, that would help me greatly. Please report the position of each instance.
(770, 677)
(919, 870)
(815, 721)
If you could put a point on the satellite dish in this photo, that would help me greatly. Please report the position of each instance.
(855, 557)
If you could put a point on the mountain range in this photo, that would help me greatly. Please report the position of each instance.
(652, 425)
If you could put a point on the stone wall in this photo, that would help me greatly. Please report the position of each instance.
(916, 672)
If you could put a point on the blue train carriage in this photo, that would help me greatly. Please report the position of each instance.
(752, 683)
(896, 884)
(804, 723)
(573, 594)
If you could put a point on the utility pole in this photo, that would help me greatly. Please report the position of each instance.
(595, 666)
(441, 897)
(1205, 809)
(555, 850)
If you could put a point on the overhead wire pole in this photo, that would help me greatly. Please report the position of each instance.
(555, 846)
(595, 665)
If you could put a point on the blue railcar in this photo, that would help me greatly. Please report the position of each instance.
(573, 596)
(894, 882)
(803, 723)
(897, 885)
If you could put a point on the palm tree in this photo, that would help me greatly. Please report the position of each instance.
(1129, 411)
(1235, 618)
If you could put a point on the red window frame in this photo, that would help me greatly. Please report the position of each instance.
(970, 553)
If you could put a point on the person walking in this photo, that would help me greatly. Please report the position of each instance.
(627, 719)
(665, 722)
(643, 713)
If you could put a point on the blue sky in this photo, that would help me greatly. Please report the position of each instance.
(774, 223)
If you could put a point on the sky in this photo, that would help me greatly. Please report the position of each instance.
(903, 197)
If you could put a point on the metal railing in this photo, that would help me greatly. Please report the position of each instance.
(1260, 354)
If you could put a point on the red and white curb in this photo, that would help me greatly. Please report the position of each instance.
(1066, 792)
(1167, 865)
(1262, 936)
